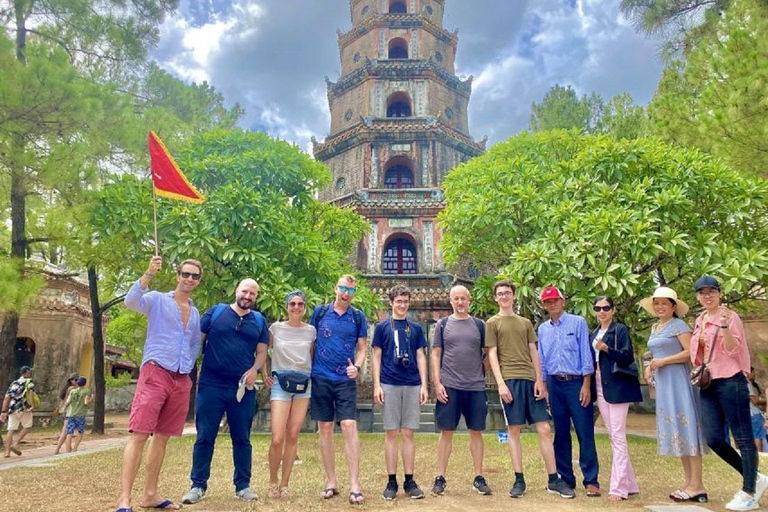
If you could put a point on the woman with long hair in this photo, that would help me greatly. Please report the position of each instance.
(719, 341)
(617, 386)
(68, 385)
(292, 342)
(678, 425)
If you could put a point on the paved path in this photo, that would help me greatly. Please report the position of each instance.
(44, 456)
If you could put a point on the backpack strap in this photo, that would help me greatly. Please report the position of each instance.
(217, 311)
(440, 327)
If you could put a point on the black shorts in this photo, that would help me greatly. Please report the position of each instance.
(472, 404)
(333, 400)
(524, 407)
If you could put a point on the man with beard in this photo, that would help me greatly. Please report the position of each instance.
(235, 349)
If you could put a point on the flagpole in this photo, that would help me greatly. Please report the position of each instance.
(154, 212)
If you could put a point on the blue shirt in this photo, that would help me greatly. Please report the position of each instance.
(392, 372)
(230, 352)
(564, 347)
(169, 344)
(336, 341)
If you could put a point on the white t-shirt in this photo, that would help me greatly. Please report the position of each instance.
(291, 346)
(599, 337)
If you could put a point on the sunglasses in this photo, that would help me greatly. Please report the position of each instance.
(347, 289)
(296, 304)
(602, 308)
(239, 325)
(187, 275)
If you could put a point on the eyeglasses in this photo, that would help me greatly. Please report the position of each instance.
(504, 295)
(296, 304)
(187, 275)
(602, 308)
(709, 293)
(239, 325)
(347, 289)
(402, 302)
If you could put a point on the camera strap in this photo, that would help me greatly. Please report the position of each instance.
(397, 338)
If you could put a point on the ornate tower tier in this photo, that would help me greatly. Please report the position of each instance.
(398, 124)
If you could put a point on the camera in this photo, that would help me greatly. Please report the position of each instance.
(402, 356)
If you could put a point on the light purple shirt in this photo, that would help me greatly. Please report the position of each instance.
(168, 343)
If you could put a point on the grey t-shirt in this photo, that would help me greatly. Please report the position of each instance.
(462, 364)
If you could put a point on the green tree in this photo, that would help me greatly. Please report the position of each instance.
(716, 99)
(561, 108)
(594, 215)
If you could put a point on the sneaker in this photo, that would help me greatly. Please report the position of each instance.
(246, 495)
(742, 501)
(481, 486)
(760, 486)
(390, 493)
(518, 489)
(438, 488)
(412, 489)
(195, 495)
(561, 488)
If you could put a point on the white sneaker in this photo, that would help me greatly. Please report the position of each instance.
(742, 501)
(760, 486)
(248, 495)
(195, 495)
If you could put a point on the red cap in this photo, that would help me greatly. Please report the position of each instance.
(551, 292)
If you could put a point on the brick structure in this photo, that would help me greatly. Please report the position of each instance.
(398, 125)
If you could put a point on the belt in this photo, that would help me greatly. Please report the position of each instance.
(566, 377)
(174, 374)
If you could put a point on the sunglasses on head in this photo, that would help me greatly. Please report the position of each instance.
(296, 304)
(602, 308)
(347, 289)
(187, 275)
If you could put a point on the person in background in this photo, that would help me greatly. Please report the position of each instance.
(18, 406)
(617, 386)
(678, 419)
(719, 338)
(756, 399)
(61, 409)
(77, 407)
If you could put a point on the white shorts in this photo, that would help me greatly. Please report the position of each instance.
(23, 419)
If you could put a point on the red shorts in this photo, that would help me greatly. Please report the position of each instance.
(161, 402)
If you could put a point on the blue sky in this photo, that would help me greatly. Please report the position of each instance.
(271, 56)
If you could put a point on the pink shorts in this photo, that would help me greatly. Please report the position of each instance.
(161, 402)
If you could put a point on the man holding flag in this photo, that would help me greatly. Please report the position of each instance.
(161, 402)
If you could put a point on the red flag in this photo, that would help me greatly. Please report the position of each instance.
(166, 175)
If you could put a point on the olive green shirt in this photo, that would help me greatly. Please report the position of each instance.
(511, 335)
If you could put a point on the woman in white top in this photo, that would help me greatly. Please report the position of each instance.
(292, 342)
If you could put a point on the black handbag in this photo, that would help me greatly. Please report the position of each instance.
(629, 370)
(291, 381)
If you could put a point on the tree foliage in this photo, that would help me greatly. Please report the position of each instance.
(561, 108)
(594, 215)
(260, 220)
(717, 100)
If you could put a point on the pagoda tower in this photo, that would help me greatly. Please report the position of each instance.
(398, 124)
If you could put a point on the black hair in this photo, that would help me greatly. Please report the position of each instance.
(606, 298)
(674, 303)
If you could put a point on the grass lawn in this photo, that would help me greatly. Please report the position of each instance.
(90, 483)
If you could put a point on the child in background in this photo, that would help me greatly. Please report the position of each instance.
(77, 406)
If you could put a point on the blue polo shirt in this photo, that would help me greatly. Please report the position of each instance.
(336, 341)
(230, 352)
(392, 372)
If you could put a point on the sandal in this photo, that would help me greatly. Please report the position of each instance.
(284, 493)
(329, 492)
(680, 496)
(274, 491)
(356, 498)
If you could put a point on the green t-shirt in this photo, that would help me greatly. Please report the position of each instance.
(511, 336)
(77, 405)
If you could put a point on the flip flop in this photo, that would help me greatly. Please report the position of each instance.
(680, 496)
(333, 492)
(356, 498)
(166, 505)
(129, 509)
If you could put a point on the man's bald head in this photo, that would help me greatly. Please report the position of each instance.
(246, 293)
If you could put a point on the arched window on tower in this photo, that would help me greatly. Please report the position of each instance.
(398, 48)
(397, 7)
(399, 105)
(398, 176)
(399, 257)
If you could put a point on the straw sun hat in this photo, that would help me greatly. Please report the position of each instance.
(663, 292)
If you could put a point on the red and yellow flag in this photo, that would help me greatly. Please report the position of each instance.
(166, 175)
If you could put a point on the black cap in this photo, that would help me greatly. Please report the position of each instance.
(707, 282)
(25, 369)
